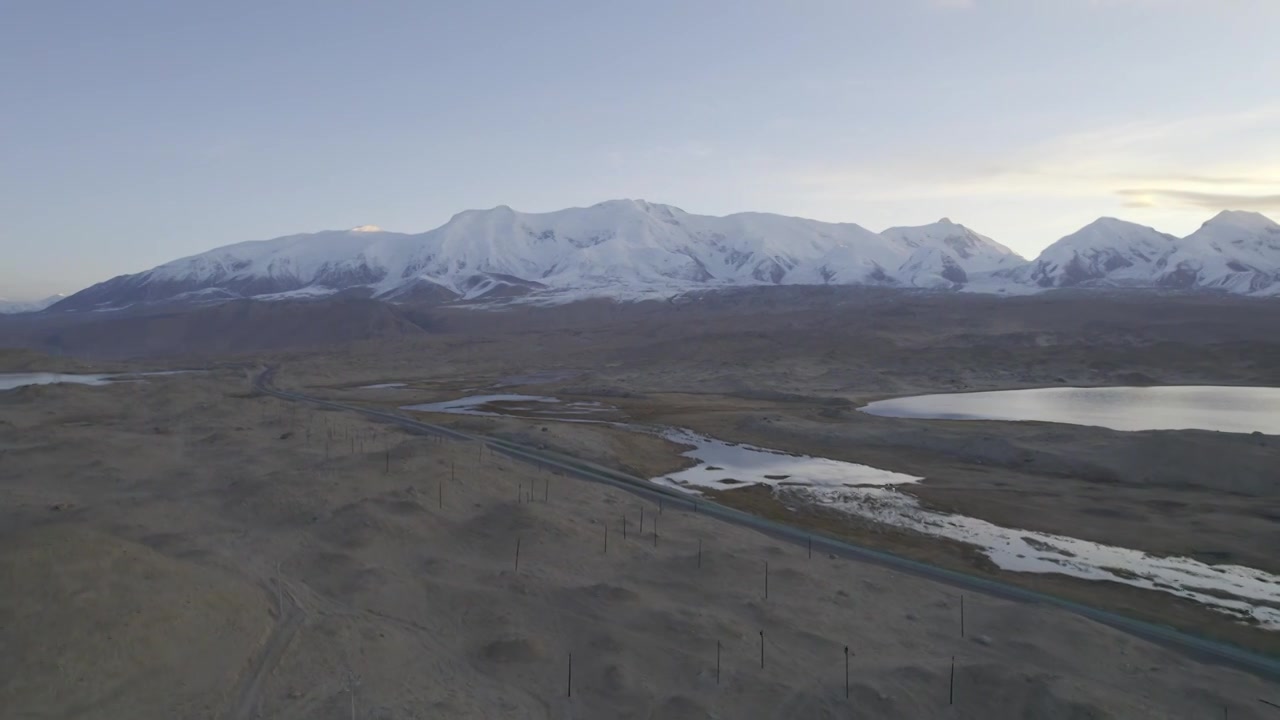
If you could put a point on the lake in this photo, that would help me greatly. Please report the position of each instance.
(1179, 407)
(10, 381)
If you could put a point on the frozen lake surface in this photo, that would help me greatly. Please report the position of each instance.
(1180, 407)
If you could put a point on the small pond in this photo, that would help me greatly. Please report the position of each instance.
(530, 406)
(1179, 407)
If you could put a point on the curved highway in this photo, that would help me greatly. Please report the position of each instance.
(1193, 645)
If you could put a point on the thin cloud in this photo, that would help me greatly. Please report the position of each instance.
(1233, 153)
(1220, 180)
(1138, 204)
(1164, 173)
(1150, 197)
(1199, 161)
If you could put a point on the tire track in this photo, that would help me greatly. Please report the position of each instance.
(249, 693)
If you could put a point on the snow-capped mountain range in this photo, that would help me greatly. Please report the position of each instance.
(632, 248)
(1236, 252)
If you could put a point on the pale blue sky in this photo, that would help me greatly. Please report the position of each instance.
(135, 132)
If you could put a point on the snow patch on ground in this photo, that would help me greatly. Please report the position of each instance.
(871, 493)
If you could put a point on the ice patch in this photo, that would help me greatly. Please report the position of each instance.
(868, 492)
(759, 466)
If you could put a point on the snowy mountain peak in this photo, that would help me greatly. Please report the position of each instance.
(1112, 231)
(1106, 221)
(10, 307)
(365, 229)
(1241, 220)
(1107, 248)
(946, 254)
(1235, 252)
(1239, 229)
(632, 204)
(497, 211)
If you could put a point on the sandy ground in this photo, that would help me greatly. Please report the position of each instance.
(181, 548)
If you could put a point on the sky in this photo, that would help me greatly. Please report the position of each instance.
(135, 132)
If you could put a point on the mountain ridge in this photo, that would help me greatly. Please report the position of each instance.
(13, 307)
(627, 249)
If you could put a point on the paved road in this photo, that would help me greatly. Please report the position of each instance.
(1193, 645)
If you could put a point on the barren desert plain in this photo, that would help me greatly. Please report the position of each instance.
(190, 546)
